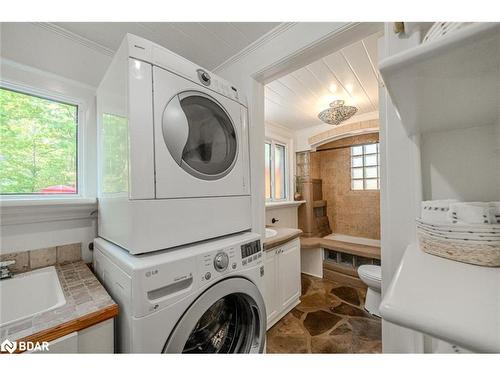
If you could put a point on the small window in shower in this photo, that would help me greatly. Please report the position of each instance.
(365, 167)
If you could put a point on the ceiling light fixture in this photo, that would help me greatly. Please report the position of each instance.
(337, 113)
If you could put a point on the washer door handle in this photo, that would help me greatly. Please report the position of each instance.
(175, 128)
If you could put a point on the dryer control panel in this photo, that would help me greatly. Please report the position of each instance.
(217, 84)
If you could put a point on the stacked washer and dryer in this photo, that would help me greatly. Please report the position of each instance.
(175, 249)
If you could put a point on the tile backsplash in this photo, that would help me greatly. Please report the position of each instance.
(43, 257)
(38, 258)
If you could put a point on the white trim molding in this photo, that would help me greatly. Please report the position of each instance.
(281, 28)
(75, 38)
(344, 131)
(28, 211)
(282, 204)
(334, 40)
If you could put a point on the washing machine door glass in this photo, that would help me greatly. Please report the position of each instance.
(222, 321)
(200, 135)
(226, 327)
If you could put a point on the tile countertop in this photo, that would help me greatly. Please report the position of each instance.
(284, 235)
(87, 303)
(452, 301)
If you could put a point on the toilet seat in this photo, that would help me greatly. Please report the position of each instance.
(371, 272)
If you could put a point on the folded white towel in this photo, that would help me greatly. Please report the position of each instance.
(471, 212)
(436, 211)
(495, 219)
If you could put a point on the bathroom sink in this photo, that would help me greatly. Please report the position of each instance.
(28, 294)
(270, 232)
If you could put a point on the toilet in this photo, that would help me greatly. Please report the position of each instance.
(371, 275)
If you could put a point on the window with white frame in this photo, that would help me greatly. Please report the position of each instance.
(38, 145)
(365, 167)
(275, 171)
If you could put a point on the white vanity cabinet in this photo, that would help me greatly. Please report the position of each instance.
(282, 280)
(98, 338)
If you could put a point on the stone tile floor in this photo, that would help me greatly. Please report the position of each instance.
(329, 319)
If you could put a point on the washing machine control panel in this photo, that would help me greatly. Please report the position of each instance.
(224, 261)
(221, 261)
(250, 252)
(218, 263)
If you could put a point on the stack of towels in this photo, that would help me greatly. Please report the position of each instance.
(477, 222)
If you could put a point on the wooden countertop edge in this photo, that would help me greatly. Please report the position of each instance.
(74, 325)
(278, 242)
(351, 248)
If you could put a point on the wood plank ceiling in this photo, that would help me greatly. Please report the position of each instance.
(207, 44)
(351, 74)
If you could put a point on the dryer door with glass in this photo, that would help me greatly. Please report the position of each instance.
(201, 140)
(229, 317)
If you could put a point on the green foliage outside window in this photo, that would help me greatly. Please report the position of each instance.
(38, 145)
(114, 153)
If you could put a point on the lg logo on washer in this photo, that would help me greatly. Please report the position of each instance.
(151, 273)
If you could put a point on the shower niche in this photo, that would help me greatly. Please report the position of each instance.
(312, 216)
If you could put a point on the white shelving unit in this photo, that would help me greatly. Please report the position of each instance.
(448, 83)
(440, 138)
(452, 301)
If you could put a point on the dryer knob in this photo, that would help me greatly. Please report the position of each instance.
(204, 77)
(221, 261)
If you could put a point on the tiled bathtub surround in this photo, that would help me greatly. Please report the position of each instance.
(38, 258)
(84, 295)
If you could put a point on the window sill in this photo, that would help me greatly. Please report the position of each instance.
(282, 204)
(37, 210)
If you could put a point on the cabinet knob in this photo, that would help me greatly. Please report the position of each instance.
(398, 27)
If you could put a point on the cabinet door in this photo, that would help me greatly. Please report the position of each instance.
(63, 345)
(289, 273)
(271, 295)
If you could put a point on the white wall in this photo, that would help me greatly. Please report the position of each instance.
(273, 130)
(30, 236)
(287, 216)
(38, 47)
(461, 164)
(37, 60)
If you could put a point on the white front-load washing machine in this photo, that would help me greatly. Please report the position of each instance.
(203, 298)
(173, 154)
